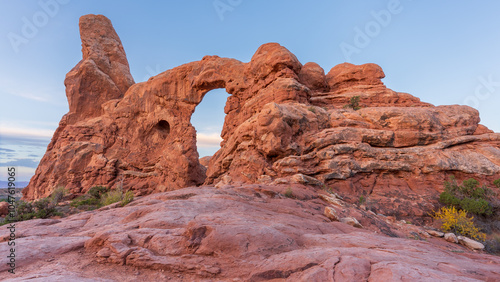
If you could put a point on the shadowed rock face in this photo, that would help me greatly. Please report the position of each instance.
(285, 122)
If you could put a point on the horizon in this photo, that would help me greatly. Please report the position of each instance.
(440, 58)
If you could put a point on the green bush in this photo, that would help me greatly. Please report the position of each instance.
(353, 103)
(99, 196)
(111, 197)
(97, 191)
(43, 208)
(361, 200)
(58, 194)
(289, 192)
(86, 202)
(449, 199)
(497, 183)
(127, 198)
(91, 200)
(476, 206)
(117, 196)
(25, 211)
(470, 196)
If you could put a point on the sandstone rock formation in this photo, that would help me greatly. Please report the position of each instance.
(241, 233)
(4, 208)
(283, 120)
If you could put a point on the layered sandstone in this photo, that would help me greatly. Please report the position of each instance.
(285, 122)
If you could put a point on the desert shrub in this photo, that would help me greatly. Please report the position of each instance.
(312, 109)
(458, 222)
(117, 196)
(86, 202)
(97, 191)
(99, 196)
(43, 208)
(497, 183)
(289, 192)
(361, 200)
(127, 198)
(353, 103)
(111, 197)
(469, 196)
(91, 200)
(25, 211)
(58, 194)
(493, 245)
(476, 206)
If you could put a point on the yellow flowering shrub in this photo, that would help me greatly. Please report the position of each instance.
(457, 221)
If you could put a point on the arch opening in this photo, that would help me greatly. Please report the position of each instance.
(208, 120)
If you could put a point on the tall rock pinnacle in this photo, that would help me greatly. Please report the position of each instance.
(103, 74)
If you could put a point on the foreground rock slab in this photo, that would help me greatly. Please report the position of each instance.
(234, 233)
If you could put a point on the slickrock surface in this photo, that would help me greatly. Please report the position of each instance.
(285, 123)
(236, 233)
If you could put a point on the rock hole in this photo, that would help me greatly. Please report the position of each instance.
(160, 132)
(163, 126)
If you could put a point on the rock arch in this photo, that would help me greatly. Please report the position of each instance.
(119, 134)
(284, 123)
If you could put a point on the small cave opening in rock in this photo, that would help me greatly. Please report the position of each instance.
(208, 120)
(160, 132)
(163, 127)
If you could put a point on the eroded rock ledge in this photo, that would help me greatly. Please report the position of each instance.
(285, 121)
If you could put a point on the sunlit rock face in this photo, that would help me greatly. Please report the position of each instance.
(285, 122)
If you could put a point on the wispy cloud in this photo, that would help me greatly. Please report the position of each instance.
(6, 131)
(208, 140)
(21, 162)
(36, 91)
(32, 97)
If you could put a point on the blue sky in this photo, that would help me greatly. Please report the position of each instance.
(444, 52)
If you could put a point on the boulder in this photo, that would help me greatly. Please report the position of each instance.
(469, 243)
(351, 221)
(4, 208)
(331, 214)
(313, 76)
(450, 237)
(435, 233)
